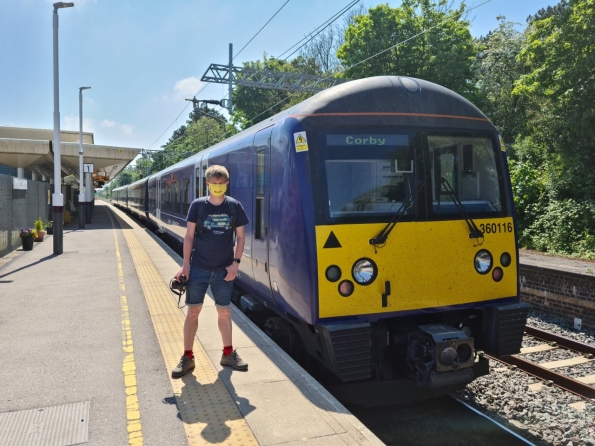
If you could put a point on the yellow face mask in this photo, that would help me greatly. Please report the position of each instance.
(217, 190)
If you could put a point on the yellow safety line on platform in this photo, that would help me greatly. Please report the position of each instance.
(206, 408)
(134, 428)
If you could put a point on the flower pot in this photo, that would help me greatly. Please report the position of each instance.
(27, 243)
(40, 236)
(50, 230)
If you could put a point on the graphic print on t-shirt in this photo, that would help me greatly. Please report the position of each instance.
(217, 223)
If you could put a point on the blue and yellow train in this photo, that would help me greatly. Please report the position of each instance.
(382, 241)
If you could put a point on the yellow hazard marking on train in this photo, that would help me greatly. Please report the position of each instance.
(134, 427)
(207, 410)
(301, 141)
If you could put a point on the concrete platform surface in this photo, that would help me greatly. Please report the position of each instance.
(86, 354)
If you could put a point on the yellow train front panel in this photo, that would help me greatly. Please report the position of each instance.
(428, 265)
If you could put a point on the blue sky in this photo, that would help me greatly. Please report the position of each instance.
(142, 58)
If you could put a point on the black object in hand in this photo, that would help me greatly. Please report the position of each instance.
(179, 284)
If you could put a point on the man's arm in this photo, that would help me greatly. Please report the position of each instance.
(188, 244)
(232, 270)
(240, 239)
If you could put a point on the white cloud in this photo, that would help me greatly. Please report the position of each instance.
(187, 87)
(106, 131)
(72, 123)
(127, 129)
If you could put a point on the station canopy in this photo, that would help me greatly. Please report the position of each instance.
(32, 149)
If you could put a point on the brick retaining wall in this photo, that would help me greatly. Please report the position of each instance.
(560, 293)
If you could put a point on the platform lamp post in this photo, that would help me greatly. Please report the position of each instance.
(82, 213)
(57, 198)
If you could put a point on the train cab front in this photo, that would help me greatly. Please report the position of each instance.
(416, 253)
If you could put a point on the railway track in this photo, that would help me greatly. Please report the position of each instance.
(553, 371)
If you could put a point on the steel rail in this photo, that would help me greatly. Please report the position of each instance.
(561, 341)
(570, 384)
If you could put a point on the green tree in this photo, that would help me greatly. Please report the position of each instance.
(204, 128)
(436, 44)
(252, 105)
(496, 70)
(560, 85)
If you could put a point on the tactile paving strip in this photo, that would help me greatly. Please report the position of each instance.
(63, 425)
(208, 411)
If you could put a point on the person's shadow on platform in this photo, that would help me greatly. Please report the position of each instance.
(208, 408)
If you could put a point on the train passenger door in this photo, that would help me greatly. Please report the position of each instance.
(158, 201)
(261, 213)
(201, 166)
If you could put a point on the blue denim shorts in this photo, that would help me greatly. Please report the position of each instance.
(199, 282)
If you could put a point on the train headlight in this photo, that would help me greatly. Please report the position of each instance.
(483, 261)
(505, 259)
(364, 271)
(333, 273)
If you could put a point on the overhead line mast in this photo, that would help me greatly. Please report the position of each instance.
(275, 80)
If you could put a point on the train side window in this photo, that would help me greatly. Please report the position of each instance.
(205, 189)
(197, 182)
(175, 197)
(186, 195)
(259, 226)
(164, 193)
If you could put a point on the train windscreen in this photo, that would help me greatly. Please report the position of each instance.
(371, 176)
(464, 168)
(368, 174)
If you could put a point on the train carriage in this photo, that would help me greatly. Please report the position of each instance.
(382, 237)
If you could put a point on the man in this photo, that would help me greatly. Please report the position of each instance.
(209, 259)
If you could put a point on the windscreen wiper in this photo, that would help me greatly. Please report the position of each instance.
(380, 239)
(474, 231)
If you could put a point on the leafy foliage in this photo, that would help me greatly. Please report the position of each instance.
(496, 69)
(252, 105)
(442, 50)
(560, 86)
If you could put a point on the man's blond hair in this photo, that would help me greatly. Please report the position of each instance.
(216, 171)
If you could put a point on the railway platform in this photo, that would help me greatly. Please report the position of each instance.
(88, 339)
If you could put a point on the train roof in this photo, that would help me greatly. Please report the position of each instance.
(372, 95)
(379, 94)
(386, 94)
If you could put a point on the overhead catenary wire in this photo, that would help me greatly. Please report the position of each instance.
(343, 10)
(184, 109)
(238, 53)
(319, 29)
(376, 55)
(309, 36)
(174, 121)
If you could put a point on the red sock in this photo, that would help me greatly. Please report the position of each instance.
(227, 350)
(189, 353)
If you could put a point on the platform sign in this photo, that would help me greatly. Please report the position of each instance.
(19, 183)
(88, 168)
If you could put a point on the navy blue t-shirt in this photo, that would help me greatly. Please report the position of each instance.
(213, 247)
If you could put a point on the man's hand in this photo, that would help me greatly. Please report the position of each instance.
(185, 271)
(232, 271)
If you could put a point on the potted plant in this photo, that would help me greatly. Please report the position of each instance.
(39, 230)
(27, 238)
(49, 226)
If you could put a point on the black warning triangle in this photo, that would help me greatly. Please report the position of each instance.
(332, 241)
(300, 139)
